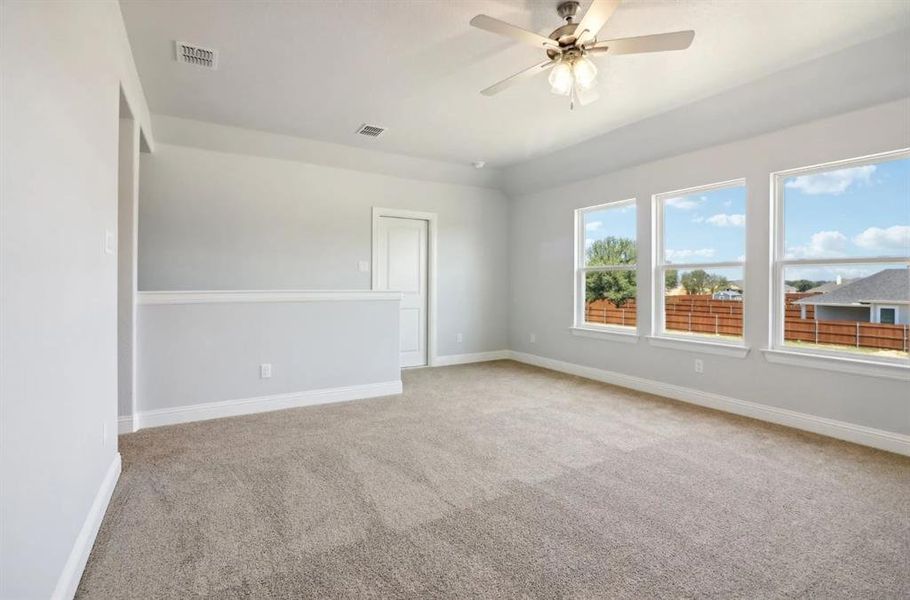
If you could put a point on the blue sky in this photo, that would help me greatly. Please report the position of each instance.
(852, 212)
(616, 221)
(859, 211)
(706, 227)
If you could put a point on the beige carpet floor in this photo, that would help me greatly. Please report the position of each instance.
(501, 480)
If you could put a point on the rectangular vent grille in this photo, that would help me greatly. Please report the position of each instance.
(196, 55)
(370, 130)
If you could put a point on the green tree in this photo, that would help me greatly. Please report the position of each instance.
(611, 251)
(695, 282)
(616, 286)
(717, 283)
(700, 281)
(671, 279)
(803, 285)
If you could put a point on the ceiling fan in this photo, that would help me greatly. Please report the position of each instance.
(569, 46)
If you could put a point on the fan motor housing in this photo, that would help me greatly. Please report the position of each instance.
(565, 34)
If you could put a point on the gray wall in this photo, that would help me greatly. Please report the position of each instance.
(62, 64)
(197, 353)
(542, 234)
(217, 220)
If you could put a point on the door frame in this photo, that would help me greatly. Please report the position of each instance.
(431, 219)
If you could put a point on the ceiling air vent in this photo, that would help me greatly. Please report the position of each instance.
(370, 130)
(196, 55)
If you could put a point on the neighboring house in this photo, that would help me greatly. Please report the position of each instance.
(727, 295)
(880, 298)
(830, 286)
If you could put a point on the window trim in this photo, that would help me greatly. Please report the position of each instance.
(579, 326)
(659, 266)
(777, 350)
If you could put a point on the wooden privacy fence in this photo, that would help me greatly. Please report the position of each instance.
(849, 333)
(702, 314)
(602, 311)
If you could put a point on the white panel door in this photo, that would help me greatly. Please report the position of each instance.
(403, 267)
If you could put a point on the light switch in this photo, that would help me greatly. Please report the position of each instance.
(109, 242)
(363, 266)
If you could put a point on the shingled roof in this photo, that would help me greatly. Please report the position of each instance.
(889, 285)
(829, 287)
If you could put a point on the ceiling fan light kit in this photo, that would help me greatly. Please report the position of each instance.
(572, 73)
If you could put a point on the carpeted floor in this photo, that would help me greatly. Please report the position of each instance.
(501, 480)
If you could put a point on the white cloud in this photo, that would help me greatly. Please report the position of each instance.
(725, 220)
(825, 273)
(832, 182)
(593, 225)
(894, 239)
(686, 255)
(823, 244)
(685, 202)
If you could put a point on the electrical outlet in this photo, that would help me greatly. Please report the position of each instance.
(699, 365)
(265, 370)
(533, 338)
(363, 266)
(459, 338)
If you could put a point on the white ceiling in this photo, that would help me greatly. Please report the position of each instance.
(320, 69)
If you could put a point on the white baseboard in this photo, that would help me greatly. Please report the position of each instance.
(463, 359)
(858, 434)
(75, 563)
(125, 425)
(248, 406)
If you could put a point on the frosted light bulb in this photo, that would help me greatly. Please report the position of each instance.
(585, 73)
(561, 79)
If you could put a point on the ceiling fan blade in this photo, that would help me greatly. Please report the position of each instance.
(593, 21)
(516, 78)
(516, 33)
(659, 42)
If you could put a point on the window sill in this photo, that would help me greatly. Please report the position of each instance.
(613, 335)
(844, 364)
(702, 346)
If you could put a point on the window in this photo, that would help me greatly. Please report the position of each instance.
(605, 258)
(699, 250)
(841, 276)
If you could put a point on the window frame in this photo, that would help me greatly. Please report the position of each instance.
(893, 308)
(659, 335)
(779, 264)
(579, 325)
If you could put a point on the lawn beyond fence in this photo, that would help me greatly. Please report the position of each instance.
(702, 314)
